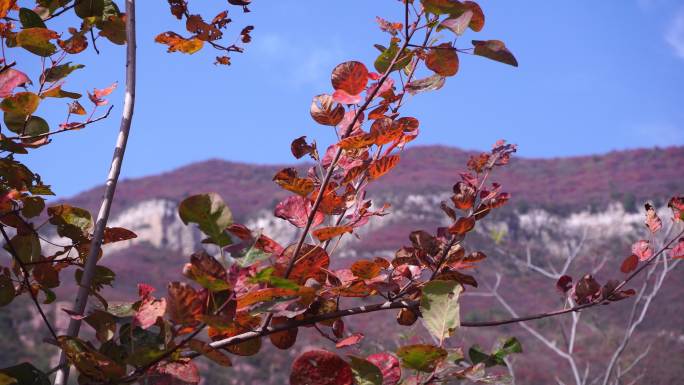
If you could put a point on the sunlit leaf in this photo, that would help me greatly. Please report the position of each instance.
(177, 43)
(440, 309)
(37, 41)
(210, 213)
(21, 103)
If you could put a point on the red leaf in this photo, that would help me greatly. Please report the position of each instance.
(389, 366)
(495, 50)
(343, 97)
(150, 309)
(678, 249)
(443, 60)
(462, 225)
(10, 79)
(320, 367)
(629, 264)
(350, 77)
(642, 249)
(181, 372)
(677, 206)
(349, 341)
(117, 234)
(564, 283)
(145, 290)
(296, 210)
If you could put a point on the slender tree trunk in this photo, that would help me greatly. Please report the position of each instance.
(110, 188)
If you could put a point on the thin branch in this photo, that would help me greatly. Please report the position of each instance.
(76, 127)
(112, 179)
(27, 283)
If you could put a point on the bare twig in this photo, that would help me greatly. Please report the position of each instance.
(112, 178)
(27, 283)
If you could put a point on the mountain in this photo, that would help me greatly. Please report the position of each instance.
(595, 202)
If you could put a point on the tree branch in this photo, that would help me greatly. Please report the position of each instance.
(112, 178)
(27, 283)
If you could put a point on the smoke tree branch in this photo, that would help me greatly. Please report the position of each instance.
(110, 188)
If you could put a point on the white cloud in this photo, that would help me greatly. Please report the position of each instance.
(305, 62)
(674, 35)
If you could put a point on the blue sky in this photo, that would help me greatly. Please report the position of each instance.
(593, 77)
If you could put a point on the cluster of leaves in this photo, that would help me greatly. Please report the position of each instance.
(203, 32)
(34, 268)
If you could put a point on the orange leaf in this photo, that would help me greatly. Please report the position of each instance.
(311, 262)
(382, 166)
(178, 43)
(366, 269)
(357, 141)
(325, 233)
(325, 111)
(284, 339)
(287, 179)
(349, 341)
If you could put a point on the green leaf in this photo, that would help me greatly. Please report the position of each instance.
(421, 357)
(440, 7)
(385, 58)
(58, 72)
(33, 206)
(439, 308)
(72, 222)
(89, 8)
(103, 276)
(30, 19)
(26, 374)
(210, 213)
(114, 29)
(365, 372)
(37, 41)
(253, 255)
(89, 362)
(27, 247)
(7, 292)
(477, 355)
(266, 276)
(34, 126)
